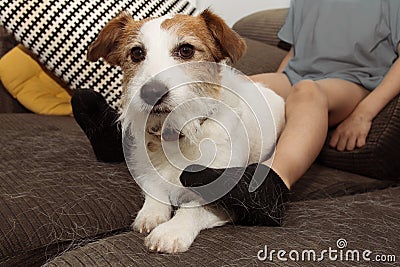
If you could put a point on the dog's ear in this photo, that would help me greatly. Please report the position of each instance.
(108, 41)
(230, 43)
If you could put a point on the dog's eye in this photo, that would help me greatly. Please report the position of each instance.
(137, 54)
(186, 51)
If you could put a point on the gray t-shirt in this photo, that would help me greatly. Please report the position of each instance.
(353, 40)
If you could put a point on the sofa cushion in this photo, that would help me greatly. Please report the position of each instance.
(55, 195)
(59, 32)
(322, 182)
(363, 222)
(28, 82)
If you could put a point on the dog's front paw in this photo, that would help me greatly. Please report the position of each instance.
(170, 238)
(147, 219)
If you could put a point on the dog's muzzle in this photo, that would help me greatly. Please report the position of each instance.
(153, 92)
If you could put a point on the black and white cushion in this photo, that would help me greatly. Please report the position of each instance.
(59, 32)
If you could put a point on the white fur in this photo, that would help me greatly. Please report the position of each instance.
(242, 128)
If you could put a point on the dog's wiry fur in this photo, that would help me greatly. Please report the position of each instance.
(196, 111)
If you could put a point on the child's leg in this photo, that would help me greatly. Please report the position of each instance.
(278, 82)
(310, 108)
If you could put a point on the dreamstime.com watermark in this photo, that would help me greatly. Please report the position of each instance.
(338, 253)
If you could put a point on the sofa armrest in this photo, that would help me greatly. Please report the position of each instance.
(260, 58)
(263, 26)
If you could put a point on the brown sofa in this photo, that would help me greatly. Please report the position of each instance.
(60, 206)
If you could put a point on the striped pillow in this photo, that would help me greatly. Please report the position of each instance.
(59, 32)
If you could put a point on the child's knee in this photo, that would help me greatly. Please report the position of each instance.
(307, 91)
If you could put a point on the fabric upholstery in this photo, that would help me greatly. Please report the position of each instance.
(263, 26)
(7, 103)
(251, 64)
(29, 83)
(55, 195)
(7, 41)
(365, 221)
(380, 157)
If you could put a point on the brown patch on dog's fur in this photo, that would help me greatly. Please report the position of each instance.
(112, 44)
(210, 31)
(152, 147)
(213, 41)
(230, 43)
(113, 40)
(109, 40)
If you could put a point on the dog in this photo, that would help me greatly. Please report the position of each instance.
(182, 104)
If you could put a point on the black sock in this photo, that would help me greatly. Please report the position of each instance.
(263, 206)
(99, 122)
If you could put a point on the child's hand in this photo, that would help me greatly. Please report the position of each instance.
(351, 133)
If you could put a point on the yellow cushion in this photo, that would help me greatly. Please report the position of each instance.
(26, 81)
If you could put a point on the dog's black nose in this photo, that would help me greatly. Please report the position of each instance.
(153, 91)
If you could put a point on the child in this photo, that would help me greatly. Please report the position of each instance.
(342, 70)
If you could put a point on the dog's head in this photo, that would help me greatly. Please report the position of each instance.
(146, 48)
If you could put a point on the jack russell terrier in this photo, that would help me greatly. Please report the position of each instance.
(184, 108)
